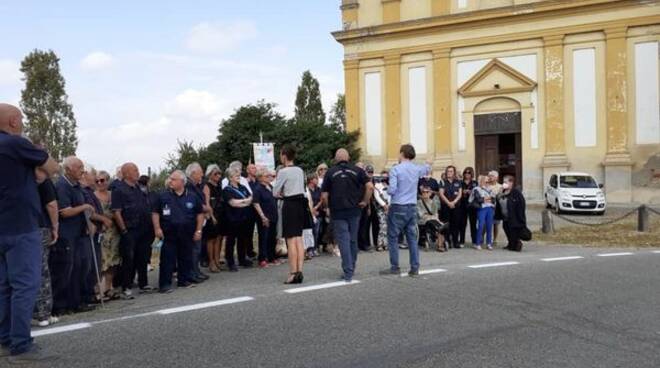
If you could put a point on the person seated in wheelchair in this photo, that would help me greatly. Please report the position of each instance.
(431, 230)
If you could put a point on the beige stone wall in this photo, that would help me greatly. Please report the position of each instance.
(612, 33)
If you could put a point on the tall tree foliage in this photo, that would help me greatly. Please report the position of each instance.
(49, 115)
(338, 112)
(308, 101)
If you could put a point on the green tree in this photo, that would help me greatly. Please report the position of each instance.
(316, 143)
(241, 129)
(338, 112)
(308, 100)
(49, 116)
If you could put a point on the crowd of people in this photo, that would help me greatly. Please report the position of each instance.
(72, 237)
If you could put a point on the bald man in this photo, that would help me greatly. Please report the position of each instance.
(132, 213)
(346, 191)
(20, 237)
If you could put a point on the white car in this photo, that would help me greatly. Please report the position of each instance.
(575, 192)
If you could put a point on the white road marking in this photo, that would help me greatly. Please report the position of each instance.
(656, 251)
(426, 272)
(56, 330)
(499, 264)
(320, 286)
(615, 254)
(192, 307)
(561, 258)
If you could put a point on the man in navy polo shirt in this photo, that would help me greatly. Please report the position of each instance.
(132, 213)
(177, 217)
(346, 191)
(20, 237)
(71, 257)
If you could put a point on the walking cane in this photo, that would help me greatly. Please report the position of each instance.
(96, 264)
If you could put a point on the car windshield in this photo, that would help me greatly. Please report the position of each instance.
(577, 181)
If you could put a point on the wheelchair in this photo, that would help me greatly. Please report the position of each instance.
(427, 235)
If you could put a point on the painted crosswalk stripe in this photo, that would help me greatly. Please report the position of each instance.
(615, 254)
(61, 329)
(499, 264)
(216, 303)
(561, 258)
(426, 272)
(656, 251)
(320, 286)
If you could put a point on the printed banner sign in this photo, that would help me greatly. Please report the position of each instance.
(264, 155)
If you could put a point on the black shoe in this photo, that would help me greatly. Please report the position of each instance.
(293, 280)
(233, 268)
(413, 273)
(204, 264)
(166, 290)
(203, 276)
(196, 280)
(185, 285)
(299, 278)
(35, 354)
(146, 289)
(246, 263)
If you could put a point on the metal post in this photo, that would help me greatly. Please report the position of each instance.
(643, 219)
(547, 225)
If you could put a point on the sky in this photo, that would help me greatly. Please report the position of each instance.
(143, 74)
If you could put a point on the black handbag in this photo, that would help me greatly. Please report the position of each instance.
(525, 234)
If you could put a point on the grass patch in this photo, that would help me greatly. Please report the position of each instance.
(620, 234)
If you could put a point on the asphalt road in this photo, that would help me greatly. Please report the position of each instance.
(534, 309)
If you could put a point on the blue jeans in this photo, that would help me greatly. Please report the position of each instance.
(20, 279)
(346, 235)
(485, 218)
(402, 219)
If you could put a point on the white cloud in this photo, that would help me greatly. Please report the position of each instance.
(97, 60)
(219, 37)
(10, 73)
(192, 115)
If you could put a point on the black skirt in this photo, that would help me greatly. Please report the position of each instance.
(293, 216)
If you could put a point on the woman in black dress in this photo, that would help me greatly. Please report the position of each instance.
(238, 209)
(467, 213)
(290, 186)
(212, 196)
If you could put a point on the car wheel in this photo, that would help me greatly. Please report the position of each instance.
(547, 204)
(557, 208)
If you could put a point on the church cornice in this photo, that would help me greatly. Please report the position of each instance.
(482, 18)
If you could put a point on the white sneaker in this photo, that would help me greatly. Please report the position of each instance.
(477, 247)
(44, 323)
(150, 268)
(53, 320)
(490, 247)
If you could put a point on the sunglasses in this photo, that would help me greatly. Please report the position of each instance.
(100, 181)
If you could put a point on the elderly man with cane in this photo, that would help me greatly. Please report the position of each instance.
(20, 237)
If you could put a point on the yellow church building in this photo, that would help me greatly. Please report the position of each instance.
(527, 87)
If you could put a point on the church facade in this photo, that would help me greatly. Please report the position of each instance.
(526, 87)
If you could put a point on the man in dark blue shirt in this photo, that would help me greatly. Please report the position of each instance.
(177, 217)
(71, 257)
(20, 237)
(195, 185)
(346, 191)
(132, 213)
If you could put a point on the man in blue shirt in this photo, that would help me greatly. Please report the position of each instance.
(71, 257)
(132, 213)
(177, 217)
(20, 237)
(346, 191)
(402, 215)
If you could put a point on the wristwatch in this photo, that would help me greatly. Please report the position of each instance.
(198, 231)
